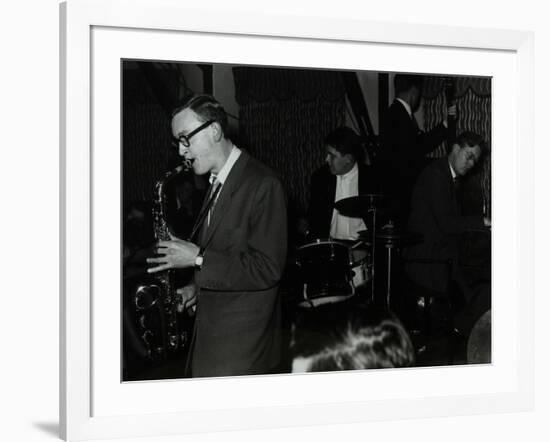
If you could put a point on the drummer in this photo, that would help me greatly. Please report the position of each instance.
(344, 175)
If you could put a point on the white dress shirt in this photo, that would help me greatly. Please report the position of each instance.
(344, 227)
(222, 175)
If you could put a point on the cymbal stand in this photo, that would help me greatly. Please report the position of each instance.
(372, 211)
(389, 246)
(391, 242)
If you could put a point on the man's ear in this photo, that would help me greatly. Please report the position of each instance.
(217, 131)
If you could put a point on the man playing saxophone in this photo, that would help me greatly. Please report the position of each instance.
(240, 251)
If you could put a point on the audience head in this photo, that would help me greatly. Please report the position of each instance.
(342, 337)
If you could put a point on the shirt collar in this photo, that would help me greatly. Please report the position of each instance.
(453, 173)
(406, 106)
(226, 168)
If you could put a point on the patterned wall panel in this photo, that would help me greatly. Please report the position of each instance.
(284, 116)
(473, 101)
(146, 145)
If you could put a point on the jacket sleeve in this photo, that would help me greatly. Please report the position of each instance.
(426, 142)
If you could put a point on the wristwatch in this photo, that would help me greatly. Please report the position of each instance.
(198, 260)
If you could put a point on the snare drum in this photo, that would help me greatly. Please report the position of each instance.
(325, 272)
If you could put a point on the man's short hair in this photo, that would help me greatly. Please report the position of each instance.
(404, 82)
(345, 141)
(351, 338)
(206, 107)
(470, 139)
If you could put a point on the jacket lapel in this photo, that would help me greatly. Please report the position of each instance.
(451, 184)
(223, 203)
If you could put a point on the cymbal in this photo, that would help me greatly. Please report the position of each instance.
(359, 206)
(392, 236)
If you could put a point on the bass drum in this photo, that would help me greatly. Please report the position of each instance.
(325, 272)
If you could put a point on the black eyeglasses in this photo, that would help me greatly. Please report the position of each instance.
(184, 139)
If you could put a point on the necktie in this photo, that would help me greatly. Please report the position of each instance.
(204, 214)
(214, 190)
(456, 183)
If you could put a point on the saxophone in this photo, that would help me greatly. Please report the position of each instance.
(164, 327)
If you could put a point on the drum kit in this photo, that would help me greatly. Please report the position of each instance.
(335, 270)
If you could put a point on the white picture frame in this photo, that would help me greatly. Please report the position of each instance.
(93, 35)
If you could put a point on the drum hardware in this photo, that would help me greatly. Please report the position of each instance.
(364, 206)
(361, 242)
(360, 205)
(392, 239)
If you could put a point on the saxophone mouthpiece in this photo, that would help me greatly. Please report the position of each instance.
(187, 164)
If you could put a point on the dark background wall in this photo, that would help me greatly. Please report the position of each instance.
(281, 116)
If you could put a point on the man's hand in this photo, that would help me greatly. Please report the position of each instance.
(486, 221)
(451, 114)
(451, 111)
(173, 254)
(188, 297)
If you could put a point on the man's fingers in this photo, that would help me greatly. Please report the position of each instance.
(190, 302)
(155, 260)
(164, 244)
(159, 268)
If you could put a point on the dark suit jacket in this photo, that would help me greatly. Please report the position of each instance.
(435, 214)
(323, 191)
(237, 326)
(404, 148)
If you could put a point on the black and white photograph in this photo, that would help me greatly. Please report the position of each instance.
(289, 220)
(275, 221)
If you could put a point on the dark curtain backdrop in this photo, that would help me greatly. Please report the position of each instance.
(473, 101)
(284, 116)
(147, 152)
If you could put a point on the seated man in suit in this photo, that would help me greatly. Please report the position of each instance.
(435, 214)
(344, 175)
